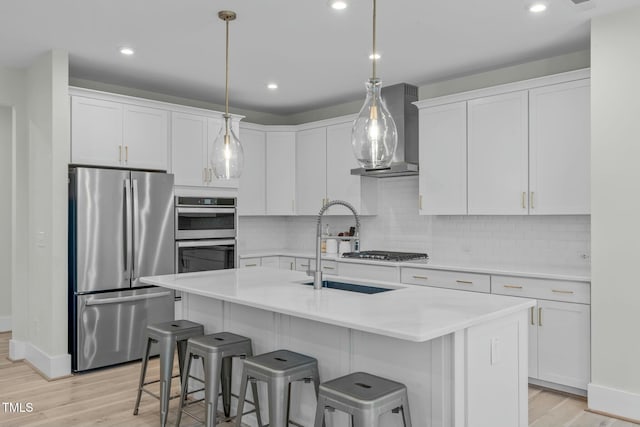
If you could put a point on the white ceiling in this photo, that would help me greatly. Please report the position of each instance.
(317, 55)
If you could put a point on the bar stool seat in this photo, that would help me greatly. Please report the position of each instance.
(216, 351)
(168, 335)
(365, 397)
(278, 369)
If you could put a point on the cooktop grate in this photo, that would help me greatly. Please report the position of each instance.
(386, 255)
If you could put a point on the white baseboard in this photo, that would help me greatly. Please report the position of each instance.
(5, 323)
(613, 401)
(51, 367)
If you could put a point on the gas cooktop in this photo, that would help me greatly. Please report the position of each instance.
(386, 255)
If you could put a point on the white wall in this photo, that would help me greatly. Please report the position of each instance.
(615, 220)
(6, 142)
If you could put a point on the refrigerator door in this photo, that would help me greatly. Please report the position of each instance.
(153, 225)
(100, 200)
(110, 326)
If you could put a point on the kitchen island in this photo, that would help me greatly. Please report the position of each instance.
(462, 355)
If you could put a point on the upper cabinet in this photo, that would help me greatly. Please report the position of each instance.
(559, 149)
(311, 170)
(518, 149)
(280, 172)
(109, 133)
(497, 150)
(443, 160)
(251, 189)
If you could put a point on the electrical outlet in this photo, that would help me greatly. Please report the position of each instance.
(584, 255)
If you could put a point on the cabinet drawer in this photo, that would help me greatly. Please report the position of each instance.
(250, 262)
(446, 279)
(270, 261)
(369, 271)
(556, 290)
(329, 267)
(303, 264)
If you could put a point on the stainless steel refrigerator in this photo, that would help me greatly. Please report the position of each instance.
(121, 228)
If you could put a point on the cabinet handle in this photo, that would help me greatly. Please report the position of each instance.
(304, 265)
(513, 286)
(532, 205)
(540, 316)
(119, 153)
(464, 282)
(532, 322)
(126, 154)
(524, 198)
(210, 175)
(556, 291)
(420, 202)
(204, 175)
(421, 277)
(328, 268)
(251, 265)
(290, 266)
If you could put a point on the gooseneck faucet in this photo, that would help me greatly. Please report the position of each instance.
(317, 274)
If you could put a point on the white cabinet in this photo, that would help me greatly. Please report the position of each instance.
(109, 133)
(311, 170)
(369, 271)
(446, 279)
(303, 264)
(443, 160)
(189, 149)
(250, 262)
(559, 149)
(270, 261)
(251, 189)
(498, 154)
(280, 172)
(559, 327)
(287, 263)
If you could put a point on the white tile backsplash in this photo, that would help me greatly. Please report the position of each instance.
(549, 243)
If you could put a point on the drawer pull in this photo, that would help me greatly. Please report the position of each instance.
(304, 265)
(421, 277)
(540, 316)
(513, 286)
(464, 282)
(556, 291)
(328, 268)
(251, 265)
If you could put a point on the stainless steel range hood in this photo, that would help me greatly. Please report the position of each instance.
(399, 99)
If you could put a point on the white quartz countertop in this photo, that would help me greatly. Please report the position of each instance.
(409, 312)
(429, 264)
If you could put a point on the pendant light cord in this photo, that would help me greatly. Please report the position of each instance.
(374, 40)
(226, 84)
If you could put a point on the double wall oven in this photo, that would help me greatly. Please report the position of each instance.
(206, 233)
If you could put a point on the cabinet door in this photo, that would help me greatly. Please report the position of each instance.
(280, 173)
(341, 185)
(559, 149)
(564, 343)
(96, 132)
(146, 137)
(250, 262)
(311, 170)
(287, 263)
(251, 192)
(188, 146)
(270, 261)
(498, 157)
(443, 160)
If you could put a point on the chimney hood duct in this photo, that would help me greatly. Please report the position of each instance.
(399, 99)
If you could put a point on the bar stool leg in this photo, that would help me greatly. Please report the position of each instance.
(241, 396)
(256, 403)
(184, 384)
(182, 350)
(316, 386)
(278, 402)
(225, 381)
(166, 371)
(319, 420)
(213, 365)
(143, 374)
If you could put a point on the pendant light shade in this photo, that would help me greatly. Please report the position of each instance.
(227, 157)
(374, 136)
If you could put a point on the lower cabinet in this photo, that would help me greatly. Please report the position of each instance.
(250, 262)
(369, 271)
(287, 263)
(446, 279)
(270, 262)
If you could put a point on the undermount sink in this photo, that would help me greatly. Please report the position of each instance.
(362, 289)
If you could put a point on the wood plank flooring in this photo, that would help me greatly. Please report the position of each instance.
(106, 398)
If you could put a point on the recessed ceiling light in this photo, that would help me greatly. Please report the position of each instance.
(376, 56)
(126, 51)
(338, 4)
(272, 86)
(537, 7)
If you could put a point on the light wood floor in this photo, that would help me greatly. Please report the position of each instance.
(106, 398)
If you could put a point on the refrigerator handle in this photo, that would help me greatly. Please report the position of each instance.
(136, 231)
(120, 300)
(127, 237)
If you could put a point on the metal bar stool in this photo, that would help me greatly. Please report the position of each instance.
(168, 335)
(278, 369)
(365, 397)
(216, 351)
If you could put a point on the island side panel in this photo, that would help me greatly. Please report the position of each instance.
(496, 363)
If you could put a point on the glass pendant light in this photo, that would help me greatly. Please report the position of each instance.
(227, 158)
(374, 136)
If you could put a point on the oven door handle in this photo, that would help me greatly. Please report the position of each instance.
(201, 243)
(205, 210)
